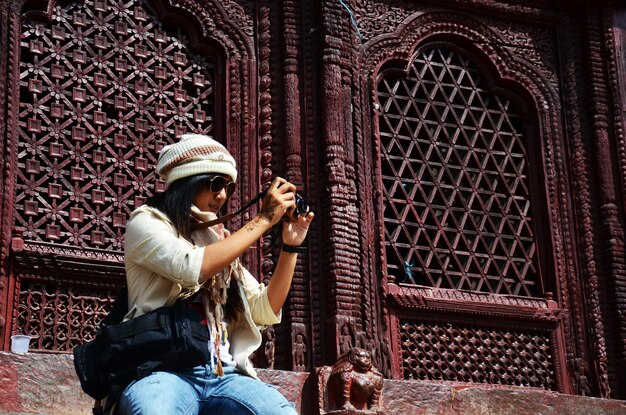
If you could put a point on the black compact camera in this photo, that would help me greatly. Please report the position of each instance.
(301, 207)
(292, 215)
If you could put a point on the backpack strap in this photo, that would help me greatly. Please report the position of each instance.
(119, 310)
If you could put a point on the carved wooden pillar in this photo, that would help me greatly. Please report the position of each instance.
(618, 89)
(619, 27)
(264, 131)
(9, 42)
(357, 113)
(299, 301)
(291, 93)
(607, 135)
(3, 218)
(339, 222)
(265, 122)
(581, 294)
(615, 38)
(312, 152)
(611, 241)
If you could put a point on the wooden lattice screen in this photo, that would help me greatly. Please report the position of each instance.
(466, 353)
(455, 180)
(104, 84)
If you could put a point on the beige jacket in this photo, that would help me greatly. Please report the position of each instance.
(162, 267)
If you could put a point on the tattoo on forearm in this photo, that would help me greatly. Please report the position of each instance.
(251, 226)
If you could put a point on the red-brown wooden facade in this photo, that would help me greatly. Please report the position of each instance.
(466, 162)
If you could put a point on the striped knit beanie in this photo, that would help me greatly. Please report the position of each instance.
(195, 154)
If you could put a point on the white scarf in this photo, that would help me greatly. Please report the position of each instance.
(215, 289)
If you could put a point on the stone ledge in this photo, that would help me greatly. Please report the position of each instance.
(46, 384)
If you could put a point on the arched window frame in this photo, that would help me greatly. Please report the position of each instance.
(459, 309)
(537, 194)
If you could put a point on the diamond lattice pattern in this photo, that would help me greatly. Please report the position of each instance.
(103, 86)
(459, 353)
(455, 179)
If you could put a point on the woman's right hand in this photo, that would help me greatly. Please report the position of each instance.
(280, 197)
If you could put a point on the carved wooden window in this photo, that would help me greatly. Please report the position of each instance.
(103, 86)
(455, 177)
(458, 178)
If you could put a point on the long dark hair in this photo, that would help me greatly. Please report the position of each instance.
(176, 203)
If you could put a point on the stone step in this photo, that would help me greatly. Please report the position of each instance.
(45, 384)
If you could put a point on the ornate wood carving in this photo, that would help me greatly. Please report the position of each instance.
(467, 353)
(611, 231)
(615, 39)
(381, 18)
(538, 79)
(299, 351)
(440, 179)
(269, 347)
(215, 22)
(339, 221)
(103, 85)
(582, 288)
(298, 304)
(352, 386)
(60, 315)
(614, 219)
(313, 186)
(333, 161)
(358, 168)
(265, 119)
(85, 119)
(8, 79)
(266, 141)
(303, 89)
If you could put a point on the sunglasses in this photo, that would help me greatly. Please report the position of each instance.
(217, 183)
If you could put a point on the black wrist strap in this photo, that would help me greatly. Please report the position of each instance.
(294, 249)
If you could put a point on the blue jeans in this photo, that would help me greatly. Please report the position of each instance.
(199, 391)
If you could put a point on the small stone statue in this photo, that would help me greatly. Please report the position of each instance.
(580, 377)
(270, 347)
(345, 340)
(299, 352)
(354, 384)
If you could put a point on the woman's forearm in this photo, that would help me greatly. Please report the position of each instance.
(219, 255)
(279, 197)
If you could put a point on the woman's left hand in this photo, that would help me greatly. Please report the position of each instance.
(294, 232)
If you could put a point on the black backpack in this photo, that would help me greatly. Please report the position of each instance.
(168, 338)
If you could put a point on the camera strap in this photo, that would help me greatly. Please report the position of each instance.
(229, 216)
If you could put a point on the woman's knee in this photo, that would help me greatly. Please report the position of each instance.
(159, 393)
(250, 396)
(275, 402)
